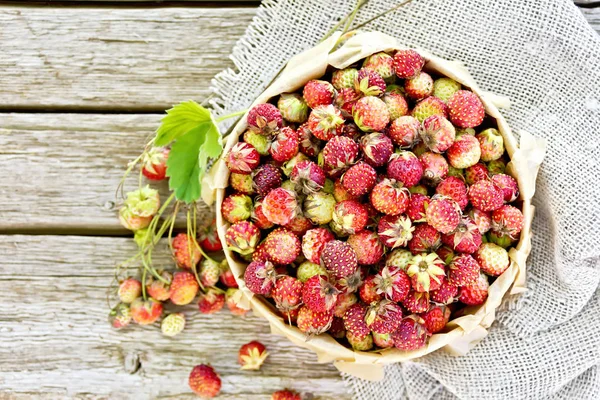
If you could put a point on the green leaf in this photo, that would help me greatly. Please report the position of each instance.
(180, 120)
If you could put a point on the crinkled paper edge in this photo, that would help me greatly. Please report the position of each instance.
(466, 331)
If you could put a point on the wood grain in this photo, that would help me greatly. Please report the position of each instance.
(593, 17)
(121, 59)
(55, 340)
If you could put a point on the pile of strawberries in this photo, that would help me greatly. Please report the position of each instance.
(374, 205)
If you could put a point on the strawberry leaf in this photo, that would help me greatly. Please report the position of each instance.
(179, 120)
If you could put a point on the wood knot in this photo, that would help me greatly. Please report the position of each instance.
(132, 363)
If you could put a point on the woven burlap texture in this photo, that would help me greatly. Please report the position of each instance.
(546, 59)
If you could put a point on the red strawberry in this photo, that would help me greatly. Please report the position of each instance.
(340, 153)
(425, 239)
(404, 131)
(285, 145)
(280, 206)
(344, 301)
(438, 133)
(264, 119)
(368, 291)
(260, 277)
(266, 178)
(226, 276)
(446, 294)
(154, 163)
(382, 63)
(340, 193)
(209, 239)
(475, 293)
(395, 231)
(390, 197)
(367, 246)
(308, 177)
(252, 355)
(349, 217)
(416, 302)
(482, 219)
(354, 321)
(260, 253)
(426, 272)
(465, 239)
(396, 104)
(446, 254)
(411, 334)
(318, 93)
(419, 86)
(370, 114)
(242, 158)
(337, 329)
(230, 297)
(508, 185)
(209, 272)
(145, 312)
(158, 289)
(129, 290)
(212, 301)
(383, 317)
(454, 188)
(313, 322)
(465, 109)
(463, 270)
(339, 258)
(204, 381)
(183, 246)
(377, 148)
(443, 214)
(259, 218)
(416, 207)
(464, 152)
(359, 179)
(183, 288)
(436, 318)
(477, 172)
(507, 220)
(299, 225)
(313, 243)
(408, 63)
(242, 237)
(319, 294)
(282, 246)
(120, 316)
(485, 196)
(344, 78)
(369, 83)
(285, 395)
(435, 168)
(393, 283)
(428, 107)
(492, 259)
(236, 207)
(345, 100)
(326, 122)
(308, 144)
(287, 293)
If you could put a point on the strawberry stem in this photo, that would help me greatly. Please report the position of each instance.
(381, 14)
(341, 22)
(235, 114)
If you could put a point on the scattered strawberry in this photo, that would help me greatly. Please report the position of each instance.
(411, 334)
(486, 196)
(339, 258)
(158, 289)
(226, 277)
(252, 355)
(209, 272)
(491, 143)
(312, 322)
(242, 158)
(492, 258)
(464, 152)
(463, 270)
(172, 324)
(428, 107)
(407, 63)
(293, 108)
(465, 109)
(230, 299)
(371, 114)
(377, 148)
(209, 239)
(143, 202)
(129, 290)
(145, 312)
(285, 145)
(204, 381)
(183, 246)
(318, 93)
(285, 395)
(419, 86)
(120, 316)
(242, 237)
(236, 207)
(475, 293)
(154, 164)
(183, 288)
(131, 221)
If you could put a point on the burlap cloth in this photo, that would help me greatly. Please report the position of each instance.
(546, 59)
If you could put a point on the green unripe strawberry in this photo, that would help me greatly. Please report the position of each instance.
(172, 324)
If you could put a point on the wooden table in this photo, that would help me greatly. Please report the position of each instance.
(80, 89)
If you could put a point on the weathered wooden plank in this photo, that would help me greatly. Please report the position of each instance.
(54, 338)
(125, 59)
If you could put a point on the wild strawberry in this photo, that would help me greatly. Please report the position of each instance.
(260, 253)
(285, 145)
(299, 225)
(406, 168)
(435, 168)
(492, 259)
(383, 317)
(446, 294)
(340, 153)
(428, 107)
(337, 329)
(411, 334)
(393, 283)
(313, 322)
(293, 108)
(475, 293)
(287, 293)
(377, 148)
(242, 237)
(416, 302)
(399, 258)
(172, 324)
(349, 217)
(318, 93)
(404, 131)
(359, 179)
(308, 269)
(369, 83)
(408, 63)
(463, 270)
(131, 221)
(242, 158)
(260, 142)
(339, 258)
(419, 87)
(252, 355)
(226, 277)
(154, 164)
(241, 183)
(382, 63)
(344, 78)
(120, 316)
(390, 197)
(436, 318)
(425, 239)
(359, 344)
(145, 312)
(280, 206)
(318, 207)
(184, 288)
(419, 189)
(282, 246)
(354, 321)
(344, 301)
(465, 109)
(368, 291)
(491, 143)
(143, 202)
(482, 219)
(129, 290)
(446, 254)
(465, 239)
(264, 118)
(395, 231)
(285, 395)
(209, 272)
(443, 214)
(486, 196)
(308, 177)
(384, 340)
(266, 178)
(496, 167)
(508, 185)
(464, 152)
(454, 188)
(396, 105)
(507, 220)
(208, 239)
(367, 246)
(260, 277)
(477, 172)
(444, 88)
(230, 300)
(426, 272)
(204, 381)
(370, 114)
(416, 207)
(308, 143)
(456, 172)
(437, 133)
(313, 243)
(345, 100)
(340, 193)
(326, 122)
(183, 246)
(236, 207)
